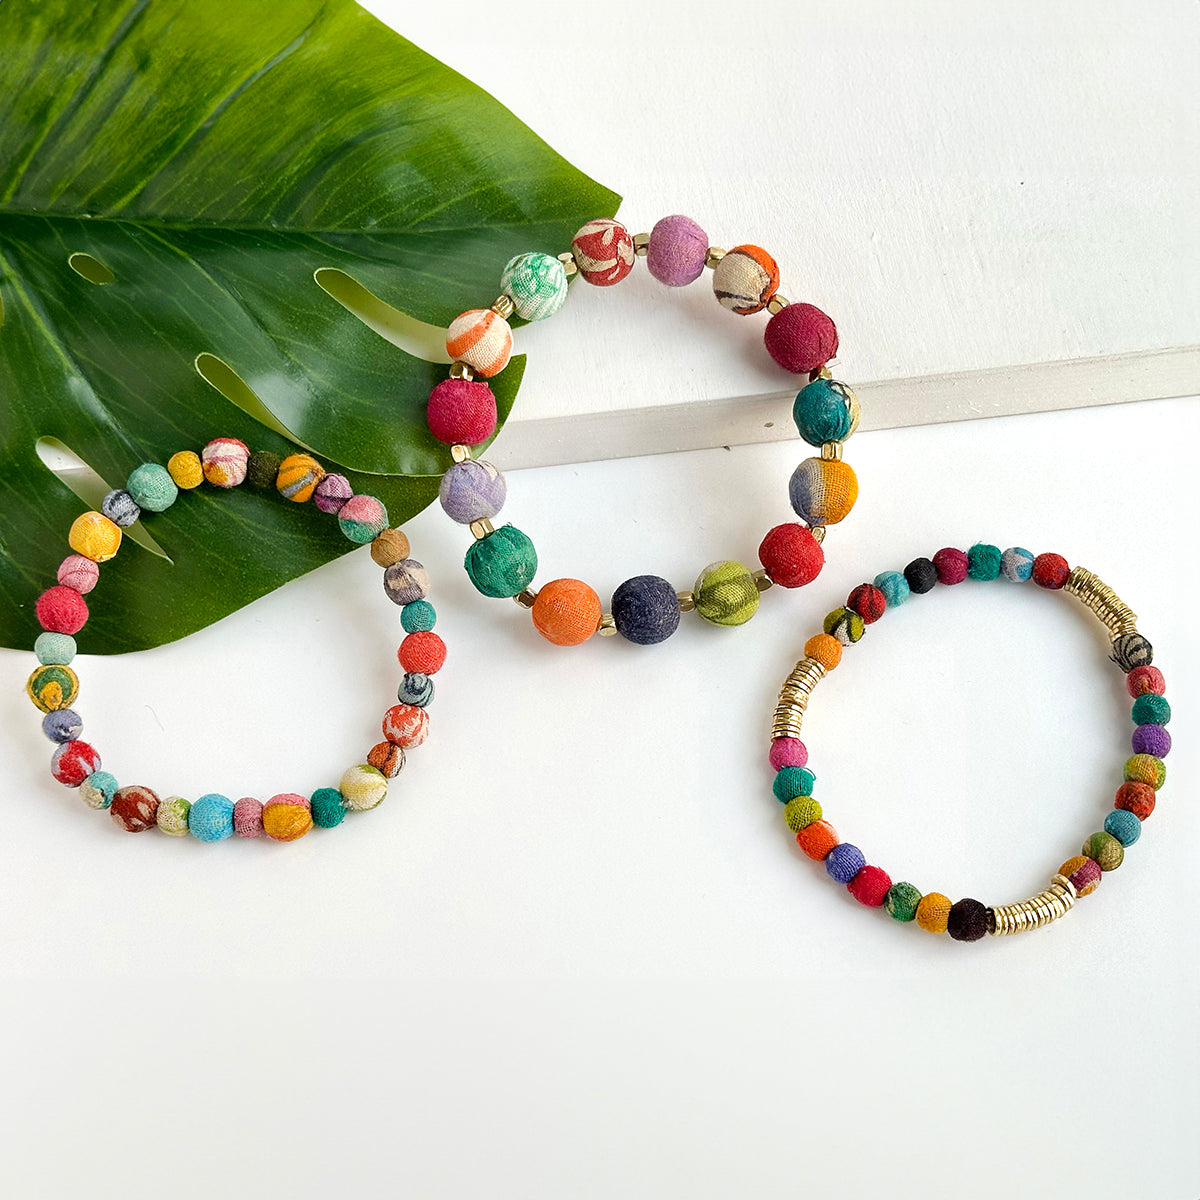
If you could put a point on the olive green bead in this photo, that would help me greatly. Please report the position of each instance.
(801, 812)
(1105, 849)
(726, 593)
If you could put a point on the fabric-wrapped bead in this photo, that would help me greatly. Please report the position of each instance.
(1050, 571)
(791, 556)
(332, 493)
(566, 612)
(363, 787)
(172, 816)
(418, 617)
(1105, 849)
(482, 339)
(405, 725)
(1016, 564)
(214, 817)
(422, 653)
(1145, 679)
(406, 581)
(846, 626)
(844, 861)
(56, 648)
(745, 279)
(134, 808)
(645, 610)
(933, 912)
(501, 564)
(247, 815)
(790, 782)
(894, 587)
(94, 536)
(825, 411)
(788, 752)
(390, 547)
(801, 338)
(1083, 872)
(462, 412)
(186, 469)
(870, 886)
(983, 562)
(1135, 797)
(920, 575)
(61, 609)
(951, 566)
(603, 251)
(387, 758)
(52, 687)
(817, 840)
(472, 491)
(536, 283)
(967, 920)
(262, 470)
(1145, 768)
(825, 649)
(224, 461)
(287, 817)
(152, 487)
(416, 689)
(119, 507)
(362, 519)
(726, 593)
(1151, 709)
(328, 810)
(1131, 650)
(1123, 825)
(298, 477)
(73, 762)
(78, 572)
(62, 725)
(801, 811)
(901, 902)
(823, 491)
(98, 789)
(868, 601)
(676, 251)
(1151, 739)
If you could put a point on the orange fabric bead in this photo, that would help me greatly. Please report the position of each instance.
(933, 912)
(825, 649)
(817, 839)
(566, 612)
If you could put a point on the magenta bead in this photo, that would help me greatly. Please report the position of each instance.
(676, 251)
(1151, 739)
(788, 752)
(1087, 875)
(332, 492)
(78, 572)
(801, 338)
(951, 565)
(247, 817)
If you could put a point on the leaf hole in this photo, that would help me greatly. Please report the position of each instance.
(89, 485)
(90, 268)
(412, 336)
(217, 373)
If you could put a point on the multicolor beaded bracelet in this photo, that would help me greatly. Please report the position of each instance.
(968, 920)
(645, 609)
(62, 612)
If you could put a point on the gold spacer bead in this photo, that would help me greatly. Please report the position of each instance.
(818, 532)
(503, 306)
(460, 453)
(712, 256)
(480, 529)
(570, 267)
(777, 303)
(526, 597)
(686, 601)
(608, 625)
(762, 580)
(460, 370)
(641, 244)
(832, 452)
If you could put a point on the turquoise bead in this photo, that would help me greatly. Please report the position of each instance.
(418, 617)
(502, 564)
(791, 782)
(1123, 825)
(211, 818)
(54, 649)
(151, 487)
(327, 808)
(825, 411)
(537, 285)
(1151, 709)
(894, 587)
(983, 561)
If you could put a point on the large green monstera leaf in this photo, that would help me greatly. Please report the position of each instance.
(173, 176)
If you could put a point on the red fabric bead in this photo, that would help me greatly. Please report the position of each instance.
(801, 338)
(61, 610)
(1138, 798)
(1050, 570)
(1141, 680)
(791, 555)
(422, 653)
(73, 762)
(868, 601)
(870, 886)
(951, 565)
(134, 808)
(461, 412)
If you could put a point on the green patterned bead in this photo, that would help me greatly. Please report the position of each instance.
(726, 593)
(800, 812)
(537, 285)
(171, 816)
(901, 901)
(845, 625)
(1105, 849)
(503, 563)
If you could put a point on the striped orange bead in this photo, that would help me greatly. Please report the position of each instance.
(482, 339)
(298, 477)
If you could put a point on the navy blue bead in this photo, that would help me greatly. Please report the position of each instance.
(844, 861)
(645, 609)
(415, 689)
(62, 725)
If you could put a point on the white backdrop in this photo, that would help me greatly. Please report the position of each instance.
(575, 954)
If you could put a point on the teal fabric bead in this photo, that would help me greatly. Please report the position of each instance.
(894, 587)
(1123, 825)
(825, 411)
(418, 617)
(1151, 709)
(152, 487)
(536, 283)
(98, 789)
(211, 818)
(503, 563)
(983, 561)
(54, 648)
(791, 782)
(327, 808)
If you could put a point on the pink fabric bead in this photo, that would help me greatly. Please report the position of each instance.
(951, 565)
(332, 492)
(79, 573)
(676, 252)
(462, 412)
(788, 752)
(801, 338)
(1086, 876)
(247, 817)
(1141, 680)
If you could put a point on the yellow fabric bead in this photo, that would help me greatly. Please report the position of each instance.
(933, 912)
(185, 468)
(94, 536)
(286, 822)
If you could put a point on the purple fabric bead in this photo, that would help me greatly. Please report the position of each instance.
(675, 255)
(472, 491)
(844, 861)
(62, 725)
(332, 492)
(1151, 739)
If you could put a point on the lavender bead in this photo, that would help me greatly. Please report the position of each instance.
(1151, 739)
(62, 725)
(406, 581)
(332, 492)
(472, 491)
(675, 255)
